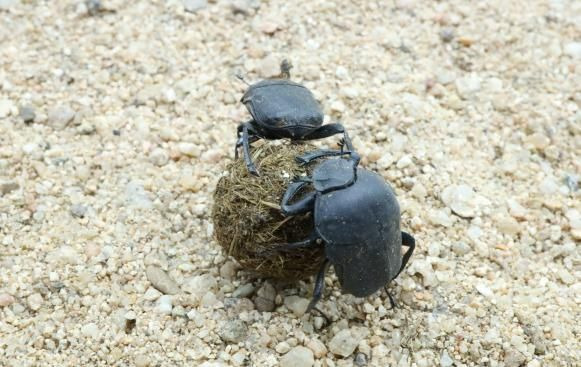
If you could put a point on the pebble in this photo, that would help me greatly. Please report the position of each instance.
(460, 248)
(461, 199)
(282, 348)
(90, 330)
(228, 270)
(8, 186)
(445, 360)
(538, 141)
(318, 347)
(298, 357)
(61, 116)
(159, 157)
(515, 209)
(233, 331)
(296, 304)
(5, 4)
(27, 114)
(164, 305)
(244, 290)
(189, 149)
(265, 296)
(5, 108)
(6, 299)
(142, 361)
(573, 49)
(152, 294)
(136, 196)
(404, 162)
(484, 290)
(468, 86)
(199, 285)
(161, 281)
(507, 224)
(193, 6)
(343, 343)
(269, 67)
(78, 210)
(447, 34)
(440, 217)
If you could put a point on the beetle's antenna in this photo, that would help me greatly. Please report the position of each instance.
(240, 77)
(285, 67)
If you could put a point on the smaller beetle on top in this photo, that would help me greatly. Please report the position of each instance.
(281, 108)
(358, 224)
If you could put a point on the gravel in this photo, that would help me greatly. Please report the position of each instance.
(470, 111)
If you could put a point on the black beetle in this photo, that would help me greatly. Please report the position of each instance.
(281, 108)
(358, 224)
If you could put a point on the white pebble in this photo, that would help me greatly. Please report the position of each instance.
(298, 357)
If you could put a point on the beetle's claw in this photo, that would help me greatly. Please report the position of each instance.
(253, 171)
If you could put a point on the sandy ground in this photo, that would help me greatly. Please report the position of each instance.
(116, 122)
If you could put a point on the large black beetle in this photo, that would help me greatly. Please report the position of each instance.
(281, 108)
(358, 224)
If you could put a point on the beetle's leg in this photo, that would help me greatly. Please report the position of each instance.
(407, 240)
(309, 242)
(319, 286)
(391, 300)
(304, 205)
(311, 156)
(246, 147)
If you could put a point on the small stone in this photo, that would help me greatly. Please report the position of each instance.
(208, 300)
(90, 330)
(419, 191)
(461, 199)
(269, 67)
(447, 34)
(573, 49)
(244, 291)
(193, 6)
(5, 108)
(538, 141)
(360, 359)
(298, 357)
(460, 248)
(404, 162)
(142, 361)
(136, 196)
(152, 294)
(565, 276)
(507, 225)
(514, 358)
(164, 305)
(189, 149)
(296, 304)
(6, 299)
(269, 27)
(516, 210)
(343, 343)
(27, 114)
(441, 217)
(265, 296)
(445, 360)
(484, 290)
(159, 157)
(161, 281)
(5, 4)
(282, 348)
(234, 331)
(319, 349)
(338, 106)
(8, 186)
(78, 210)
(466, 41)
(574, 217)
(61, 116)
(468, 86)
(199, 285)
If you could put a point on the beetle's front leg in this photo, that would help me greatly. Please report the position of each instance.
(311, 242)
(245, 129)
(304, 205)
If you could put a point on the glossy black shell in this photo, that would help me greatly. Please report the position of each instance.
(282, 109)
(360, 226)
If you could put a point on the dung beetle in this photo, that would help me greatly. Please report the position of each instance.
(358, 224)
(281, 108)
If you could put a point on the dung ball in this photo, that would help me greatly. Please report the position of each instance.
(248, 219)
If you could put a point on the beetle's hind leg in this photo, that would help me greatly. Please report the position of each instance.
(407, 240)
(391, 299)
(319, 288)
